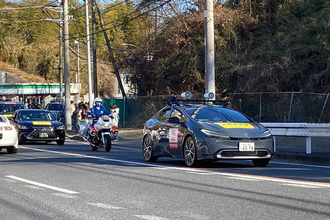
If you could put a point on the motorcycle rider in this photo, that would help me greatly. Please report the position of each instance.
(97, 110)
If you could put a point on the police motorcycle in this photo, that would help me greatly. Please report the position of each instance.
(100, 132)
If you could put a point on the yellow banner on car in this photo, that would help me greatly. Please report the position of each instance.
(41, 123)
(235, 125)
(8, 115)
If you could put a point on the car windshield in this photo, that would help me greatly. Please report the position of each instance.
(54, 107)
(36, 116)
(217, 114)
(10, 107)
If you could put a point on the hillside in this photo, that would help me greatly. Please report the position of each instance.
(18, 76)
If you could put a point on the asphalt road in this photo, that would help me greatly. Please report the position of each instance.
(73, 182)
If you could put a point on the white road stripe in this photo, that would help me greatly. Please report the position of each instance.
(42, 185)
(105, 206)
(272, 179)
(242, 178)
(302, 186)
(150, 217)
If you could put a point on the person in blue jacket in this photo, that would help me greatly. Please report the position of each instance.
(97, 110)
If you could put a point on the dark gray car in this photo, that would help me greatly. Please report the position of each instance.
(205, 132)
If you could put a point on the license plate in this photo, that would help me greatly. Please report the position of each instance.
(246, 146)
(43, 135)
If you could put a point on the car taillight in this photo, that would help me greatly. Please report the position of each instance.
(6, 128)
(92, 128)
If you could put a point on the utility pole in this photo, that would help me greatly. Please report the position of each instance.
(68, 122)
(88, 58)
(60, 72)
(209, 47)
(94, 48)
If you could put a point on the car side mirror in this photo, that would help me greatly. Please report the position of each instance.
(174, 119)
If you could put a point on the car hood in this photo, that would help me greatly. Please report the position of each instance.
(238, 130)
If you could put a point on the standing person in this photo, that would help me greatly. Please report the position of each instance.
(115, 113)
(72, 107)
(75, 118)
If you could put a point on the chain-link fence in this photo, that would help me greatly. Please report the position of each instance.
(262, 107)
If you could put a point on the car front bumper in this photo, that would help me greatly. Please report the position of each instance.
(34, 135)
(220, 149)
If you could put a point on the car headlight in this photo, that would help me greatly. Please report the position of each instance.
(23, 127)
(61, 127)
(215, 134)
(266, 133)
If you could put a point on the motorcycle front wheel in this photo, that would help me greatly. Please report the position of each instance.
(107, 144)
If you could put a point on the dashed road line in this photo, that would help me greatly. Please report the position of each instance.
(42, 185)
(302, 186)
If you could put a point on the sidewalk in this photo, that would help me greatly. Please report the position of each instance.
(288, 149)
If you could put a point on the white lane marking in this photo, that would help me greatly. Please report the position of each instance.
(273, 179)
(201, 173)
(104, 206)
(150, 217)
(302, 186)
(42, 185)
(241, 178)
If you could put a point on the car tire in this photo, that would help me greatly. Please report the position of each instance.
(12, 150)
(61, 142)
(21, 142)
(190, 152)
(260, 162)
(107, 144)
(147, 149)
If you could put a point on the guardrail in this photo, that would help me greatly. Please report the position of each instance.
(307, 130)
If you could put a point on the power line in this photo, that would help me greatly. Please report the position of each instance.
(140, 15)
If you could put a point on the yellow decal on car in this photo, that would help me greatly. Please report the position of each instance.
(235, 125)
(8, 115)
(41, 123)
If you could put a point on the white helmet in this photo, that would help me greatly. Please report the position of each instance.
(97, 99)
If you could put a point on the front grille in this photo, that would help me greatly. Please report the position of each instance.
(35, 134)
(262, 153)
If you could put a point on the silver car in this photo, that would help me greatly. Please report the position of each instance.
(197, 132)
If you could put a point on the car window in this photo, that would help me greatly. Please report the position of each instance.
(54, 106)
(10, 107)
(178, 114)
(215, 114)
(164, 115)
(36, 116)
(2, 119)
